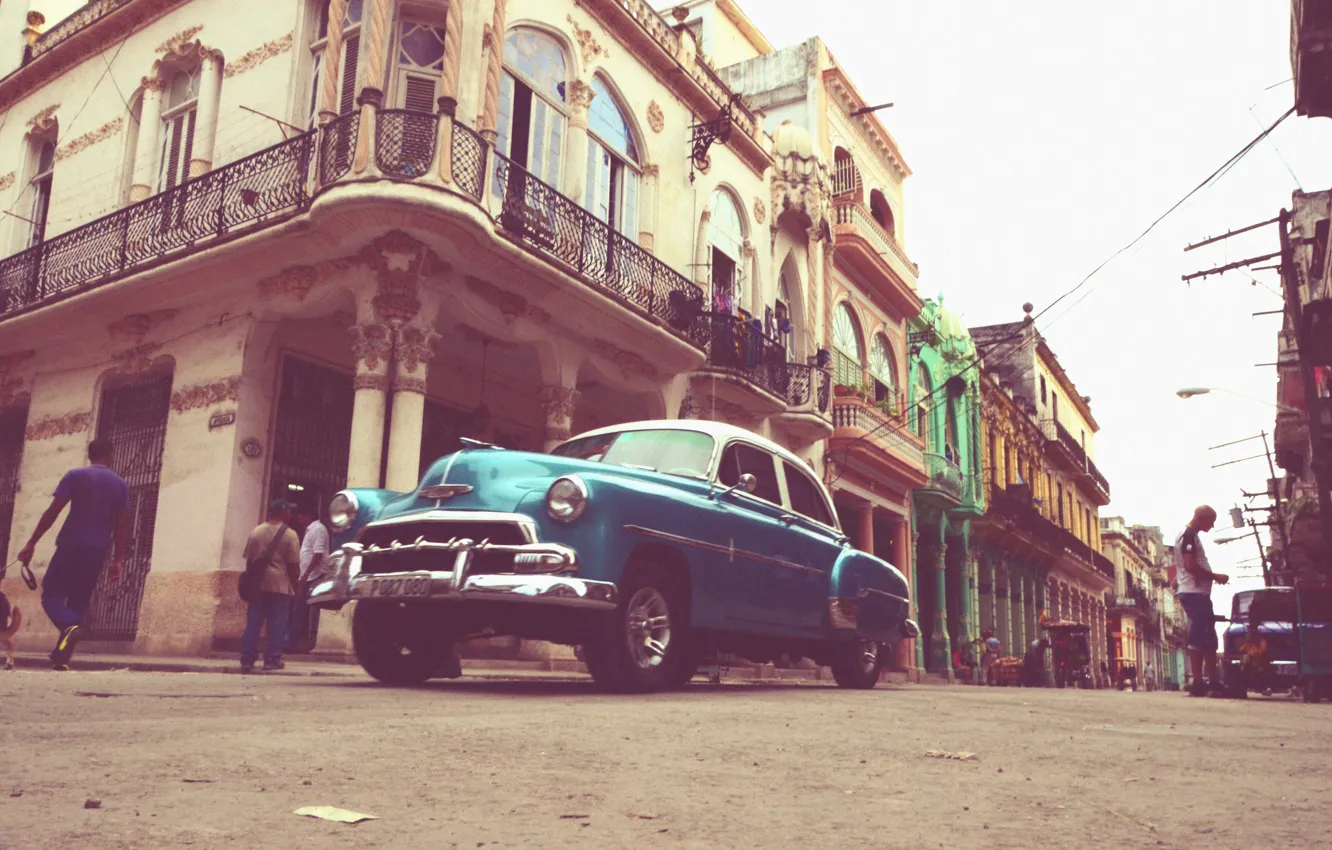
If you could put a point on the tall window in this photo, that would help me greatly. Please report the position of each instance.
(532, 103)
(420, 65)
(727, 237)
(348, 67)
(883, 369)
(42, 171)
(612, 163)
(951, 442)
(881, 212)
(781, 310)
(923, 389)
(180, 109)
(1042, 389)
(848, 348)
(846, 177)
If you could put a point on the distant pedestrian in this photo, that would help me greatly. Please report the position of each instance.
(98, 501)
(991, 655)
(1193, 583)
(1148, 677)
(314, 565)
(271, 608)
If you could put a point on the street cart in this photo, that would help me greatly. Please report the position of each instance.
(1070, 652)
(1313, 605)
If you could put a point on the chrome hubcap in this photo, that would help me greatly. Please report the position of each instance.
(648, 628)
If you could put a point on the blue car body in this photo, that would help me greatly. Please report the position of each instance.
(1262, 626)
(773, 578)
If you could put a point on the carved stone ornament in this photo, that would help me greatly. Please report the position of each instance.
(372, 344)
(185, 54)
(378, 383)
(206, 395)
(760, 210)
(511, 306)
(153, 83)
(59, 426)
(7, 180)
(136, 326)
(580, 95)
(43, 122)
(557, 404)
(136, 360)
(587, 42)
(628, 362)
(89, 139)
(410, 385)
(296, 281)
(801, 183)
(178, 39)
(258, 56)
(415, 346)
(656, 118)
(399, 262)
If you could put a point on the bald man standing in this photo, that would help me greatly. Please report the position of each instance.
(1193, 583)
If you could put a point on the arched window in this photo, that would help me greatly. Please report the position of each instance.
(846, 176)
(882, 213)
(180, 111)
(532, 103)
(924, 386)
(726, 236)
(883, 368)
(848, 349)
(612, 163)
(349, 65)
(43, 169)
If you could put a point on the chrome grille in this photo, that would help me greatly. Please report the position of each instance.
(439, 531)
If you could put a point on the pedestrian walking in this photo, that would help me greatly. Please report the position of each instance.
(275, 543)
(991, 655)
(1194, 578)
(98, 502)
(314, 562)
(1148, 677)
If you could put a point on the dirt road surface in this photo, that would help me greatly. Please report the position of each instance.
(214, 760)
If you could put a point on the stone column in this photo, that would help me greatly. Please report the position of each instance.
(915, 584)
(1003, 609)
(413, 346)
(865, 528)
(1018, 586)
(332, 62)
(901, 556)
(494, 65)
(576, 141)
(941, 647)
(210, 101)
(373, 346)
(557, 407)
(150, 134)
(647, 208)
(1033, 613)
(374, 45)
(448, 98)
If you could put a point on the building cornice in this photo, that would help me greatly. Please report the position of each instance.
(850, 98)
(1070, 390)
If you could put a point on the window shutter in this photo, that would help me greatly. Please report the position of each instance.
(171, 160)
(188, 145)
(419, 93)
(350, 55)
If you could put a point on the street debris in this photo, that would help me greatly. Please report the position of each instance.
(1150, 827)
(333, 813)
(941, 754)
(574, 817)
(198, 780)
(90, 803)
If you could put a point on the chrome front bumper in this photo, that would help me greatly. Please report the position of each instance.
(539, 584)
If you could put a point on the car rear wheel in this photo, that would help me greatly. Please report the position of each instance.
(644, 645)
(856, 664)
(395, 643)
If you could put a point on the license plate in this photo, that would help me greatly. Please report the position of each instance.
(395, 586)
(1284, 669)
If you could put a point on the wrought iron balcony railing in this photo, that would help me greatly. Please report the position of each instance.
(739, 347)
(72, 25)
(848, 210)
(256, 191)
(405, 142)
(337, 146)
(887, 431)
(469, 160)
(944, 475)
(541, 218)
(1058, 435)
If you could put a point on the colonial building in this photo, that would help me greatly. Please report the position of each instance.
(1039, 547)
(1144, 618)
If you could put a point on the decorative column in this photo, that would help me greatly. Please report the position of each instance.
(332, 61)
(373, 346)
(150, 132)
(915, 583)
(901, 556)
(1033, 613)
(574, 178)
(494, 42)
(413, 346)
(941, 646)
(1017, 585)
(557, 407)
(210, 99)
(1003, 609)
(374, 45)
(865, 528)
(448, 84)
(647, 208)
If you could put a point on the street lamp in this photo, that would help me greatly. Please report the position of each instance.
(1190, 392)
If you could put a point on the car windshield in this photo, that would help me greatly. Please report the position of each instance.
(674, 452)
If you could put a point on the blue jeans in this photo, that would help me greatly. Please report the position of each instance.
(271, 608)
(1202, 621)
(68, 585)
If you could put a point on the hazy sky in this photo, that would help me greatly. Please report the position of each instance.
(1043, 136)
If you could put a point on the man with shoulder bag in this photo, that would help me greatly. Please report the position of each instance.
(268, 586)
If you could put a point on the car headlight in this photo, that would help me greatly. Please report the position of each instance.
(566, 499)
(342, 510)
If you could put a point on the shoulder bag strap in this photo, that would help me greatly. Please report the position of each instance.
(273, 544)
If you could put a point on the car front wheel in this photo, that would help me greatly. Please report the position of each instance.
(644, 645)
(856, 664)
(395, 643)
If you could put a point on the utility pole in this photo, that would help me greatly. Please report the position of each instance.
(1279, 519)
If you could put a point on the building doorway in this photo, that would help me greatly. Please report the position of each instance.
(13, 423)
(133, 416)
(312, 434)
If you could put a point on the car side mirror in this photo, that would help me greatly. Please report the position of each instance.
(747, 482)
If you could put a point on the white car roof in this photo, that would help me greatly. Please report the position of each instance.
(720, 431)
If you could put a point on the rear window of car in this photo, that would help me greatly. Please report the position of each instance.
(806, 497)
(674, 452)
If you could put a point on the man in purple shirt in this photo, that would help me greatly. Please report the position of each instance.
(98, 500)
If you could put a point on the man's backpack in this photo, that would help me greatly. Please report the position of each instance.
(252, 580)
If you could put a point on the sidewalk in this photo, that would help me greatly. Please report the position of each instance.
(326, 666)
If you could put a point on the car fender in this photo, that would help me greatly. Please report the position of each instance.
(867, 595)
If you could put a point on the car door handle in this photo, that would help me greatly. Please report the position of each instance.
(786, 519)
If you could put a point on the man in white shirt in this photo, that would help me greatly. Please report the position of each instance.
(1193, 584)
(314, 567)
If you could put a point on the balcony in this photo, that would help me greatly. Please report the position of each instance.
(1311, 56)
(945, 476)
(857, 422)
(1063, 447)
(768, 381)
(72, 26)
(874, 253)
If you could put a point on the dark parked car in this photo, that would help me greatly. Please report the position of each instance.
(1260, 651)
(651, 545)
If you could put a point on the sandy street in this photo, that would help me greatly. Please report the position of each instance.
(212, 760)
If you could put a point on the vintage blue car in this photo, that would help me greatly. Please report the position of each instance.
(1261, 650)
(651, 545)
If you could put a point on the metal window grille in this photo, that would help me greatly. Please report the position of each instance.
(405, 142)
